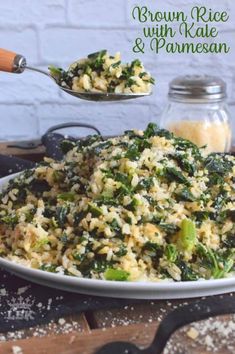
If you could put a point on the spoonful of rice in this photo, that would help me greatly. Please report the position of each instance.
(99, 77)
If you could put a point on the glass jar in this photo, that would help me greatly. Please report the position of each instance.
(197, 111)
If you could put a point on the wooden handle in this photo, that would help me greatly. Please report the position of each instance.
(7, 60)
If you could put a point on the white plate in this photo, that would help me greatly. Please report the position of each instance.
(134, 290)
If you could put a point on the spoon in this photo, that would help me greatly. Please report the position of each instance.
(16, 63)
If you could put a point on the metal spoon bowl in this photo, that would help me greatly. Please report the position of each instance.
(105, 97)
(16, 63)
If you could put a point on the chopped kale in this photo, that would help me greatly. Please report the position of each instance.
(106, 200)
(122, 191)
(58, 176)
(61, 215)
(115, 65)
(130, 82)
(183, 144)
(123, 178)
(122, 251)
(101, 146)
(145, 183)
(21, 195)
(67, 196)
(207, 256)
(29, 215)
(156, 219)
(128, 219)
(87, 266)
(115, 227)
(171, 253)
(132, 134)
(64, 239)
(218, 264)
(38, 186)
(170, 229)
(132, 153)
(152, 201)
(187, 274)
(97, 59)
(220, 200)
(40, 243)
(49, 268)
(11, 220)
(151, 80)
(201, 216)
(95, 55)
(78, 256)
(55, 72)
(137, 63)
(67, 145)
(219, 164)
(111, 87)
(174, 175)
(143, 74)
(133, 204)
(94, 210)
(185, 195)
(184, 163)
(88, 141)
(151, 246)
(215, 178)
(151, 130)
(49, 212)
(230, 240)
(142, 144)
(127, 72)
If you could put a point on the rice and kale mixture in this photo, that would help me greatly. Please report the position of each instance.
(101, 72)
(142, 206)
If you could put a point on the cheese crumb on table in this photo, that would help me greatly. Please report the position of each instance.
(16, 349)
(61, 321)
(192, 333)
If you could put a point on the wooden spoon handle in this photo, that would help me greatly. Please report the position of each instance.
(7, 60)
(11, 62)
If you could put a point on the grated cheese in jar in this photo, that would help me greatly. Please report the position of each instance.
(215, 135)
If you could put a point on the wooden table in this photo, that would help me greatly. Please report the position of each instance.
(84, 333)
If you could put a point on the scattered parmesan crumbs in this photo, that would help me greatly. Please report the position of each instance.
(23, 289)
(16, 349)
(54, 328)
(121, 318)
(209, 342)
(49, 304)
(214, 334)
(192, 333)
(3, 292)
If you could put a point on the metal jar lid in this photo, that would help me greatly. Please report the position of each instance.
(200, 88)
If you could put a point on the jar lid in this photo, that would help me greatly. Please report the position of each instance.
(201, 88)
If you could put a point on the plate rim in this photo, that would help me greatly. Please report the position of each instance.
(161, 285)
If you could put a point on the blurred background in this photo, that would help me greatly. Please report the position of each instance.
(60, 31)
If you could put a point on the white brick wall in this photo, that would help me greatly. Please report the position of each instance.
(60, 31)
